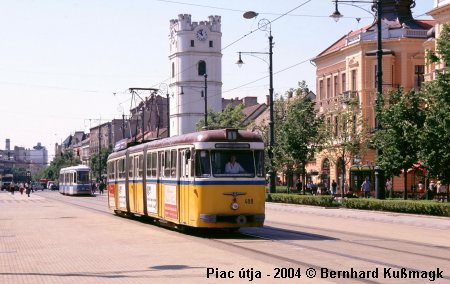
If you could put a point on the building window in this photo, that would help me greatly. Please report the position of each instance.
(173, 70)
(336, 86)
(344, 82)
(201, 68)
(192, 43)
(353, 80)
(336, 126)
(328, 88)
(321, 89)
(419, 71)
(210, 43)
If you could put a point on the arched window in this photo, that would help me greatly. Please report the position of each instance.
(201, 68)
(173, 70)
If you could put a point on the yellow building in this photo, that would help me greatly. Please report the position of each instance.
(441, 14)
(347, 70)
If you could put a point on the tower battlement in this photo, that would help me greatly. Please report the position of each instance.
(184, 23)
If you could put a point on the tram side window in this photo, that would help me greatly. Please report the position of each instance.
(66, 178)
(139, 164)
(202, 164)
(167, 166)
(148, 159)
(122, 168)
(130, 167)
(154, 163)
(173, 163)
(111, 170)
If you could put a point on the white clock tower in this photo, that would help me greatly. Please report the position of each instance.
(195, 50)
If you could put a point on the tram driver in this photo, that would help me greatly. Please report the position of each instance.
(233, 167)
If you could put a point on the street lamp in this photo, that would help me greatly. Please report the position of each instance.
(376, 7)
(263, 24)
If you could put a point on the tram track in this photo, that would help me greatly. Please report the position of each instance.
(422, 247)
(242, 242)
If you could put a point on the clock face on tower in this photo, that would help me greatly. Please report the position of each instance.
(201, 34)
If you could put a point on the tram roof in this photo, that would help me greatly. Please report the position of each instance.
(215, 135)
(79, 167)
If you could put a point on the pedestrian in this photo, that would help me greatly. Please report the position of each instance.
(21, 188)
(12, 187)
(389, 186)
(28, 189)
(334, 187)
(101, 187)
(93, 188)
(365, 187)
(299, 185)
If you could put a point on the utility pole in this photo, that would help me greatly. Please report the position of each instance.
(123, 126)
(99, 150)
(168, 114)
(133, 91)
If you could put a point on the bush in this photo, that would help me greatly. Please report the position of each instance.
(324, 200)
(402, 206)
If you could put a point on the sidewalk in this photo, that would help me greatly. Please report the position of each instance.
(50, 242)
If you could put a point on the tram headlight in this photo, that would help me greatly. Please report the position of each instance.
(234, 206)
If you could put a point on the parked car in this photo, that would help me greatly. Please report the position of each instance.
(52, 185)
(35, 185)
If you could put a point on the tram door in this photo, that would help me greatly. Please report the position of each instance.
(184, 161)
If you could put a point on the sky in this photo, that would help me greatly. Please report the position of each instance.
(67, 65)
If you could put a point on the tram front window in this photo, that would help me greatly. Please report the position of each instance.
(233, 163)
(83, 177)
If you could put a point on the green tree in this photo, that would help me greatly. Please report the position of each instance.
(402, 120)
(345, 134)
(299, 130)
(230, 117)
(98, 162)
(52, 171)
(435, 152)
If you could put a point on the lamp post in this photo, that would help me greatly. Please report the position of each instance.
(263, 24)
(376, 7)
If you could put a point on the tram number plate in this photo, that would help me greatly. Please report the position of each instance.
(248, 201)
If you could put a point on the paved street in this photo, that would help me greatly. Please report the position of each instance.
(51, 238)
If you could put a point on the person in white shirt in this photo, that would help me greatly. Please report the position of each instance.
(233, 167)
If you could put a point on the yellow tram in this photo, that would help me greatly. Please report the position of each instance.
(208, 179)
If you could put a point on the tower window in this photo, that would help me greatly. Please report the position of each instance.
(192, 43)
(201, 68)
(210, 43)
(173, 70)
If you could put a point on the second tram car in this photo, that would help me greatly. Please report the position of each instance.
(75, 180)
(185, 179)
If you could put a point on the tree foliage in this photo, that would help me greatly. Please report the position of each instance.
(229, 117)
(345, 134)
(435, 152)
(99, 166)
(402, 119)
(299, 130)
(52, 171)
